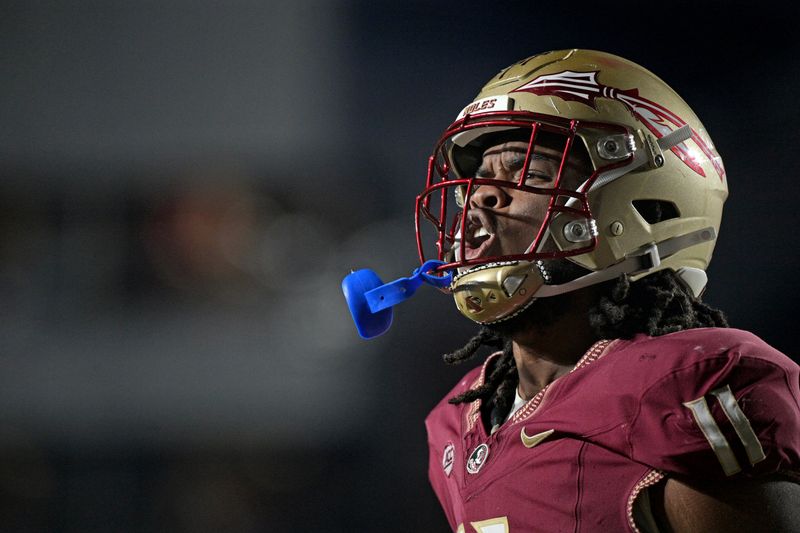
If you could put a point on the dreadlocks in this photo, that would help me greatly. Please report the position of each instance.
(656, 305)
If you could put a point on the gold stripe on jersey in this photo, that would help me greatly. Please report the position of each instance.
(755, 453)
(717, 441)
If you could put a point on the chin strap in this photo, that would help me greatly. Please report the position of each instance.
(646, 260)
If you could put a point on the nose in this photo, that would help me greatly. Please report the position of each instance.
(489, 197)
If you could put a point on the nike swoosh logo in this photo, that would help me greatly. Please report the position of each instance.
(533, 440)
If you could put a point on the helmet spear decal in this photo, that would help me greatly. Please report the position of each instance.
(583, 87)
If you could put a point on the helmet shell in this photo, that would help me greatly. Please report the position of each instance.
(628, 95)
(601, 95)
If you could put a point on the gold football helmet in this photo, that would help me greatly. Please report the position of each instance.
(647, 193)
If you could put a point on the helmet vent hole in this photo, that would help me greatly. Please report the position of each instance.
(655, 211)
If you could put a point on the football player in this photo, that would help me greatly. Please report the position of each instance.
(577, 201)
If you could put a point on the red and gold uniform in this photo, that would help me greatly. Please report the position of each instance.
(705, 403)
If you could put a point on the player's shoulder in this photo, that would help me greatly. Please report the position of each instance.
(699, 350)
(699, 343)
(706, 388)
(695, 361)
(636, 381)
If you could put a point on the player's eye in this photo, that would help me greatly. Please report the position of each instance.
(534, 176)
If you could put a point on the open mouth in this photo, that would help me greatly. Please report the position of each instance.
(480, 237)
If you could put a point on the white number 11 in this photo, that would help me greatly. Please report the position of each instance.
(719, 444)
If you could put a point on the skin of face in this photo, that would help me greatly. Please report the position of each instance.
(502, 220)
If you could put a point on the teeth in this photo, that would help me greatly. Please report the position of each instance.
(481, 232)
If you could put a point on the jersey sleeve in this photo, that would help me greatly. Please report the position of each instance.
(445, 453)
(721, 413)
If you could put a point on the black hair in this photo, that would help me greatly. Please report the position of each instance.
(655, 305)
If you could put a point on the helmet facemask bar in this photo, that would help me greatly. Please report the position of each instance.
(448, 201)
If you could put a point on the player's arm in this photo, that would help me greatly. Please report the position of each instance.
(769, 504)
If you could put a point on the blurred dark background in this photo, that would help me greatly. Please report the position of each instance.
(184, 184)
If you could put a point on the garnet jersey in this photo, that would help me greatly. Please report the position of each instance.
(705, 403)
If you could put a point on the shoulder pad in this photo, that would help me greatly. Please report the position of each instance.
(725, 402)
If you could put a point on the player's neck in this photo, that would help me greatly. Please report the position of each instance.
(543, 354)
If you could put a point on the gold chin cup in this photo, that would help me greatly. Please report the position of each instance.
(496, 291)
